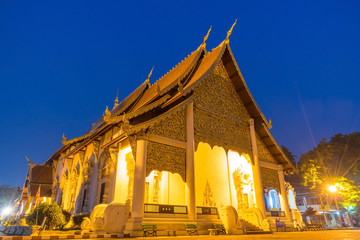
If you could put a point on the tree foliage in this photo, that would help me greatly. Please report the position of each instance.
(328, 160)
(349, 192)
(335, 162)
(53, 213)
(8, 195)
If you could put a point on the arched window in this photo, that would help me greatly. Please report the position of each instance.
(291, 199)
(273, 200)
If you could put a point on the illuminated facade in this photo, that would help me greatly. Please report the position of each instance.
(193, 147)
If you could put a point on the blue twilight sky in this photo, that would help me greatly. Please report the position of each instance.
(61, 63)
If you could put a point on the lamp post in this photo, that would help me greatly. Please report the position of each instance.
(333, 189)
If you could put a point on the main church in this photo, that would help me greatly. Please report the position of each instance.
(193, 147)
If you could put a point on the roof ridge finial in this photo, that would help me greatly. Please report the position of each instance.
(148, 78)
(206, 37)
(116, 102)
(63, 139)
(229, 32)
(107, 115)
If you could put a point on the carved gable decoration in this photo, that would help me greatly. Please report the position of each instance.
(172, 126)
(264, 154)
(163, 157)
(270, 178)
(220, 118)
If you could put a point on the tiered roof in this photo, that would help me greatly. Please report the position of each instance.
(174, 87)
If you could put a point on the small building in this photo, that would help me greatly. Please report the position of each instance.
(193, 147)
(37, 188)
(326, 214)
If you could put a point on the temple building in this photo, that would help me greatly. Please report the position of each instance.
(193, 147)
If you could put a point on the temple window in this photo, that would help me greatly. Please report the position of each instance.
(84, 198)
(60, 197)
(102, 192)
(313, 201)
(300, 202)
(291, 196)
(272, 200)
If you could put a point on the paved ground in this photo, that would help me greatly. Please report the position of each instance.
(311, 235)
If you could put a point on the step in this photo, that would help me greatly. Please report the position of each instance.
(258, 232)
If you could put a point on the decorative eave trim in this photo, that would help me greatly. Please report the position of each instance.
(204, 76)
(176, 81)
(246, 87)
(149, 107)
(145, 86)
(265, 124)
(287, 161)
(132, 129)
(269, 165)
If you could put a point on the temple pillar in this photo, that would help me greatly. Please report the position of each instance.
(93, 185)
(112, 178)
(139, 180)
(259, 191)
(190, 168)
(80, 184)
(284, 201)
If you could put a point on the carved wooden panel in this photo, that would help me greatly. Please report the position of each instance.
(172, 127)
(220, 118)
(270, 178)
(263, 152)
(163, 157)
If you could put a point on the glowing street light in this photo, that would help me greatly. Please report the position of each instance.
(6, 211)
(333, 189)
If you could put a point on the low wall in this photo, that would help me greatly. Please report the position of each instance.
(19, 230)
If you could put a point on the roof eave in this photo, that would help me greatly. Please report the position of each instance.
(244, 93)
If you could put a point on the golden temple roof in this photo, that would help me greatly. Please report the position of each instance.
(178, 83)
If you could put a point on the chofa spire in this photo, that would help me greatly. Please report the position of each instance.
(107, 114)
(116, 102)
(63, 139)
(148, 78)
(229, 32)
(205, 38)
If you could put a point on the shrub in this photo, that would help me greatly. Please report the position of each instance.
(67, 216)
(52, 212)
(78, 219)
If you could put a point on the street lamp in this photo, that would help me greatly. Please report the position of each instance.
(333, 189)
(6, 211)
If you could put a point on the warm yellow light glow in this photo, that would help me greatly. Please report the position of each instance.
(332, 188)
(241, 180)
(6, 211)
(124, 172)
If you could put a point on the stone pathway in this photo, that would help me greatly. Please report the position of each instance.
(309, 235)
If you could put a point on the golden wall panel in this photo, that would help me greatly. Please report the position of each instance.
(220, 118)
(172, 127)
(163, 157)
(263, 152)
(270, 178)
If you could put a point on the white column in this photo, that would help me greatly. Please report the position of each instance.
(190, 168)
(284, 200)
(139, 180)
(259, 191)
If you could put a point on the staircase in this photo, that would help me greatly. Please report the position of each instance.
(250, 228)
